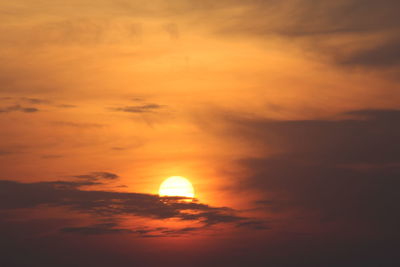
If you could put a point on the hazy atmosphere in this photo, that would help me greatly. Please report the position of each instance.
(276, 123)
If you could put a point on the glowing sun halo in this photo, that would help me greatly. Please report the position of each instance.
(176, 186)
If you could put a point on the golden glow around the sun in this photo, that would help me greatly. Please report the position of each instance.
(176, 186)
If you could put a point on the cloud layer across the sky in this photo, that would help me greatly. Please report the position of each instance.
(112, 206)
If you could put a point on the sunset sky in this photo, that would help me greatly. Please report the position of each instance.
(283, 114)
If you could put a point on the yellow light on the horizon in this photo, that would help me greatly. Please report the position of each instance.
(176, 186)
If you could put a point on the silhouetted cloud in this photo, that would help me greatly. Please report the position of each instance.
(95, 176)
(140, 108)
(110, 205)
(97, 229)
(185, 230)
(113, 228)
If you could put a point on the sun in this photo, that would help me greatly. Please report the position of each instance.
(176, 186)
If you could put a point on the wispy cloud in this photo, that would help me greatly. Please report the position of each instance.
(77, 124)
(96, 176)
(146, 108)
(22, 104)
(18, 108)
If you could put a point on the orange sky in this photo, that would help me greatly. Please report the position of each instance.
(151, 89)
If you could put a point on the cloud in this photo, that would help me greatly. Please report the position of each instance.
(386, 54)
(12, 149)
(326, 171)
(366, 136)
(348, 32)
(52, 156)
(20, 104)
(97, 229)
(44, 102)
(147, 108)
(112, 228)
(108, 205)
(66, 106)
(96, 176)
(68, 31)
(35, 100)
(6, 152)
(178, 232)
(18, 108)
(118, 148)
(77, 124)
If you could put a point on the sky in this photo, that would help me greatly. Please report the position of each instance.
(283, 114)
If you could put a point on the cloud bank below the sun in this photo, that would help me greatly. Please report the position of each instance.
(112, 206)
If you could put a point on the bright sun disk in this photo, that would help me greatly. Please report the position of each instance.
(176, 186)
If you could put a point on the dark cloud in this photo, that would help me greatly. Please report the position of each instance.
(377, 114)
(385, 54)
(97, 229)
(15, 195)
(324, 17)
(18, 108)
(343, 171)
(6, 152)
(112, 228)
(137, 99)
(52, 156)
(147, 108)
(35, 100)
(29, 100)
(370, 138)
(66, 106)
(118, 148)
(12, 149)
(109, 205)
(96, 176)
(19, 104)
(178, 232)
